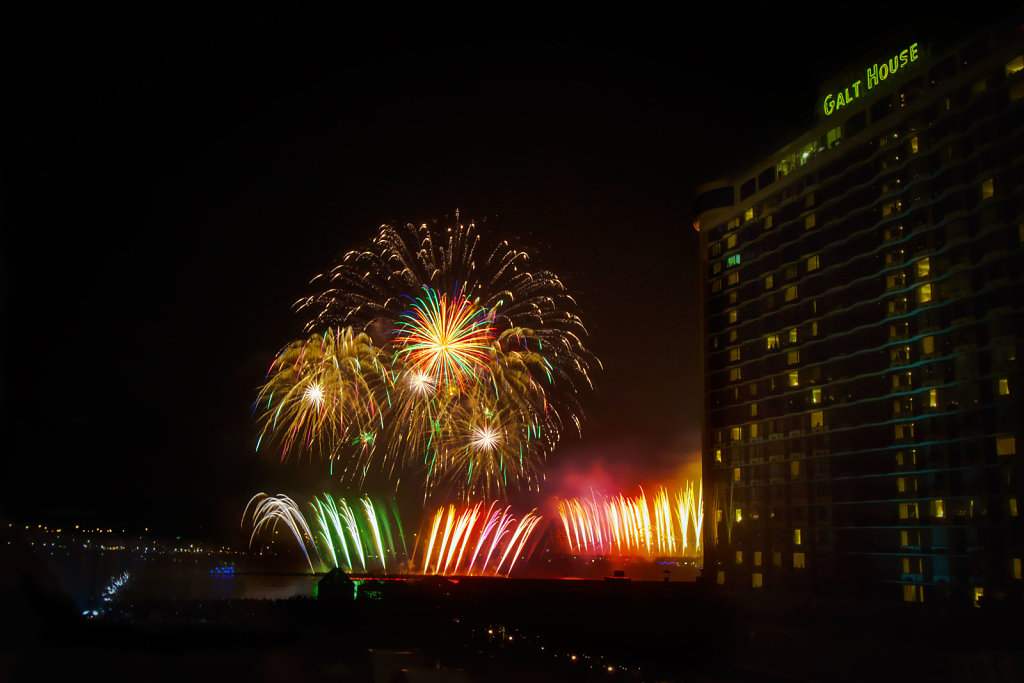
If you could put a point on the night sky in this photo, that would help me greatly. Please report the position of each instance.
(173, 180)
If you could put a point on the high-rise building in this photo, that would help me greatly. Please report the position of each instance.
(863, 304)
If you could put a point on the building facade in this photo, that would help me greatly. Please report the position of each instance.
(863, 301)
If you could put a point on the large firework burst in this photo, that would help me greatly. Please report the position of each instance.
(485, 361)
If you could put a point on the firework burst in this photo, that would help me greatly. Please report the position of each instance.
(325, 392)
(446, 340)
(468, 364)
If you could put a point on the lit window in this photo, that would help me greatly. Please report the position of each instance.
(733, 316)
(794, 379)
(772, 341)
(901, 486)
(1004, 387)
(730, 242)
(756, 580)
(794, 469)
(814, 328)
(733, 260)
(716, 268)
(768, 223)
(1013, 507)
(979, 593)
(748, 214)
(1006, 445)
(933, 398)
(913, 145)
(769, 281)
(809, 222)
(905, 430)
(791, 293)
(753, 431)
(777, 559)
(753, 409)
(736, 474)
(938, 508)
(739, 515)
(908, 510)
(904, 538)
(913, 593)
(720, 578)
(757, 558)
(732, 334)
(737, 433)
(1016, 569)
(1014, 65)
(715, 249)
(817, 419)
(732, 278)
(928, 345)
(813, 263)
(719, 514)
(799, 562)
(735, 374)
(792, 335)
(718, 455)
(815, 395)
(923, 268)
(987, 189)
(734, 353)
(793, 357)
(739, 557)
(734, 223)
(834, 136)
(924, 294)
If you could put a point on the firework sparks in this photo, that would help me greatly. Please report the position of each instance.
(603, 525)
(357, 537)
(447, 340)
(494, 534)
(269, 511)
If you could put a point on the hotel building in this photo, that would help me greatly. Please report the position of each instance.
(863, 297)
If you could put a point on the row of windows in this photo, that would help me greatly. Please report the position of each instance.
(813, 261)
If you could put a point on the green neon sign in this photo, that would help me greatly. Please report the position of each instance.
(874, 76)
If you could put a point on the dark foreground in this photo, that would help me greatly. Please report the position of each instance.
(509, 630)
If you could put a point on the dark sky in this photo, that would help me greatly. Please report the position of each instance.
(172, 180)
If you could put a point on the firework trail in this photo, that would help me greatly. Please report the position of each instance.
(269, 511)
(357, 537)
(487, 534)
(620, 525)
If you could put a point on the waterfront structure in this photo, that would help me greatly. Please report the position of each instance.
(862, 304)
